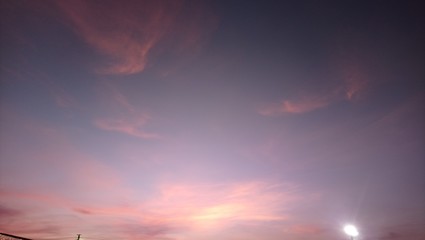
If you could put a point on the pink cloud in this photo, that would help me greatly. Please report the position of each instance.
(120, 99)
(352, 71)
(122, 116)
(63, 99)
(355, 82)
(59, 95)
(6, 212)
(179, 209)
(34, 196)
(175, 210)
(83, 211)
(203, 207)
(35, 217)
(54, 164)
(351, 85)
(128, 33)
(132, 127)
(97, 181)
(92, 196)
(53, 188)
(295, 107)
(350, 89)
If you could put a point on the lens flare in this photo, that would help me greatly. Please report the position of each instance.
(351, 230)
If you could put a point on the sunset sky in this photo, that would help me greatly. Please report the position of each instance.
(212, 120)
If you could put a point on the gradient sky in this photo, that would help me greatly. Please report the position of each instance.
(202, 120)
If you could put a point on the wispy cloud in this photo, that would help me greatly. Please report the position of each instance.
(6, 212)
(356, 82)
(128, 33)
(61, 97)
(57, 180)
(132, 127)
(350, 83)
(122, 116)
(56, 156)
(351, 88)
(32, 218)
(304, 105)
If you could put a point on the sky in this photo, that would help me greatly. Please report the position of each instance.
(202, 120)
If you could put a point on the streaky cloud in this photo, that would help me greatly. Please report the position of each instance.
(132, 127)
(350, 90)
(122, 116)
(294, 107)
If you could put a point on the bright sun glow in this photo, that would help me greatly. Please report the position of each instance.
(351, 230)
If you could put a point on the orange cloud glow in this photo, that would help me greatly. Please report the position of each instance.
(204, 207)
(176, 209)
